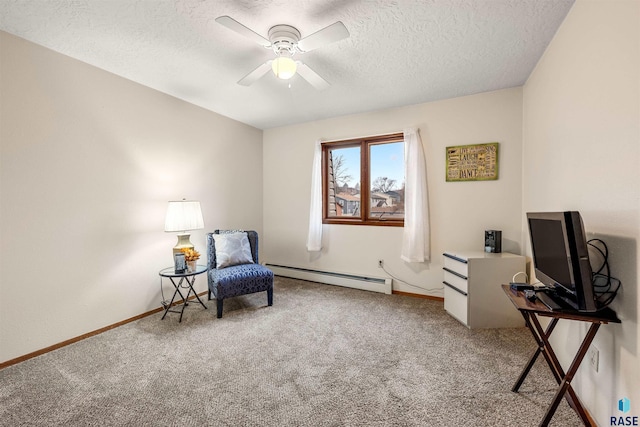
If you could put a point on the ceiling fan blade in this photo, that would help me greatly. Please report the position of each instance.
(251, 78)
(332, 33)
(312, 77)
(234, 25)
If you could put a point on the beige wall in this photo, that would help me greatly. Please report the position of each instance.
(460, 211)
(582, 152)
(88, 163)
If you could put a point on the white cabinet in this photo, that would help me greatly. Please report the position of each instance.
(473, 292)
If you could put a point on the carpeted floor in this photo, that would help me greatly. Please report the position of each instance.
(321, 356)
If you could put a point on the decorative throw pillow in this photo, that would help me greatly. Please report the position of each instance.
(232, 249)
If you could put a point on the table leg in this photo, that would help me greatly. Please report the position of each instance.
(536, 353)
(556, 368)
(176, 292)
(565, 385)
(547, 351)
(185, 299)
(564, 380)
(193, 281)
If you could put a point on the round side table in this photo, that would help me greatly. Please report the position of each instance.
(187, 279)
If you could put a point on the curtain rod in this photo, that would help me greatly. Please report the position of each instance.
(386, 135)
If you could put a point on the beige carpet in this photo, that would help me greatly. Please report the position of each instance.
(321, 356)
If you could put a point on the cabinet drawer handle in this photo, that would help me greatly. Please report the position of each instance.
(455, 289)
(464, 261)
(455, 273)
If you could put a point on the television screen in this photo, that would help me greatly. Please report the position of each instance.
(561, 257)
(551, 253)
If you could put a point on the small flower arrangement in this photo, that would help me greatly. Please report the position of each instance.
(191, 254)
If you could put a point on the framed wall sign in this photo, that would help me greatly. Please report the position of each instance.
(472, 162)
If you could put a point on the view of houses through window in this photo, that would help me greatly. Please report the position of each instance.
(373, 182)
(386, 176)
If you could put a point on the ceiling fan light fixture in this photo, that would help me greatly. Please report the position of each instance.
(284, 67)
(285, 41)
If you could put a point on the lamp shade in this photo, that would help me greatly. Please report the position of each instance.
(183, 215)
(284, 67)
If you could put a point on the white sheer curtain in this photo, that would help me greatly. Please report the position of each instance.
(415, 240)
(314, 240)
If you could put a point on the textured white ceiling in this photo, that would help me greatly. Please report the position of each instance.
(399, 53)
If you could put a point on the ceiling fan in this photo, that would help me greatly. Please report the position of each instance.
(285, 42)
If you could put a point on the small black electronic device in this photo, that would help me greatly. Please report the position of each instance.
(530, 294)
(517, 286)
(493, 241)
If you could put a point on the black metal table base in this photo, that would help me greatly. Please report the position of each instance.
(185, 300)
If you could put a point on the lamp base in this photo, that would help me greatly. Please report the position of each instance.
(183, 243)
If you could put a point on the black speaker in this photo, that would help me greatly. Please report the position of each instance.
(493, 241)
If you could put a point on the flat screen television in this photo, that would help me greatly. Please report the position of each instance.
(561, 257)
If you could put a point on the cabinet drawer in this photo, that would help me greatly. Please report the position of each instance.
(456, 281)
(455, 304)
(455, 265)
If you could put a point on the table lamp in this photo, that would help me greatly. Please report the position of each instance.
(182, 216)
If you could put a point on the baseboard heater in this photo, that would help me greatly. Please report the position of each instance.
(375, 284)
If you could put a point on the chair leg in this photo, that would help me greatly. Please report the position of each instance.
(219, 303)
(270, 297)
(209, 294)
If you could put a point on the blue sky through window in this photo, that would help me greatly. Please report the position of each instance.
(386, 160)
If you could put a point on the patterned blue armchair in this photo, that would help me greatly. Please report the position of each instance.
(240, 279)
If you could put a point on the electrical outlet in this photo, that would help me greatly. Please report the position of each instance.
(594, 357)
(380, 263)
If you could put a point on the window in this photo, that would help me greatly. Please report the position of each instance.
(363, 181)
